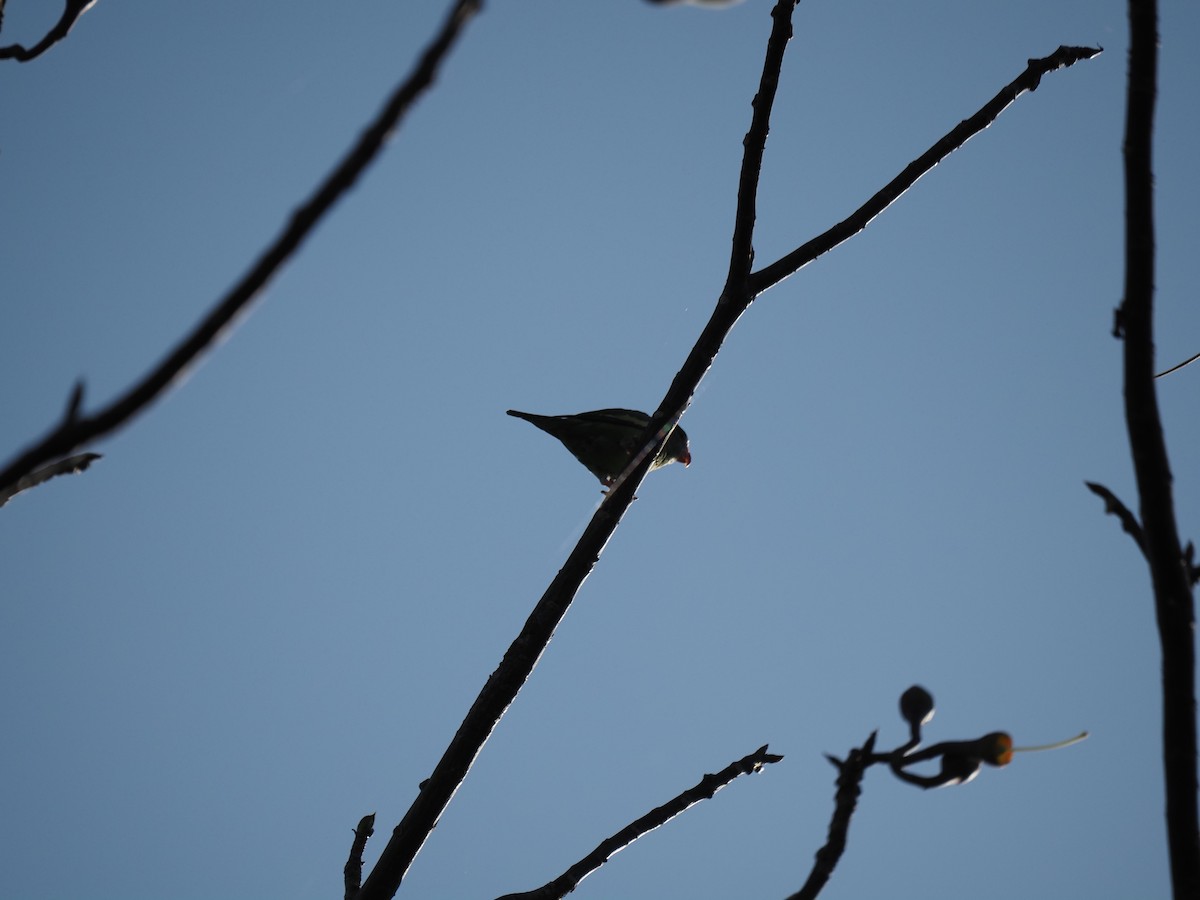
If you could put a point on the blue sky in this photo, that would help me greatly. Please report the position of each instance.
(265, 611)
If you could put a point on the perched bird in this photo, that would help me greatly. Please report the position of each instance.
(605, 440)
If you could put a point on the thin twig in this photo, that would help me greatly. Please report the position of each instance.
(1176, 368)
(1169, 570)
(71, 13)
(738, 293)
(1114, 506)
(704, 790)
(352, 873)
(742, 254)
(76, 432)
(849, 787)
(1028, 80)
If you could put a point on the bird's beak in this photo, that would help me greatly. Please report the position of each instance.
(686, 459)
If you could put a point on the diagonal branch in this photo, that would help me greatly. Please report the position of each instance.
(1028, 80)
(75, 430)
(737, 295)
(740, 289)
(1114, 506)
(522, 655)
(71, 13)
(740, 292)
(1170, 570)
(704, 790)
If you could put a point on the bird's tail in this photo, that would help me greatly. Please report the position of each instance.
(528, 417)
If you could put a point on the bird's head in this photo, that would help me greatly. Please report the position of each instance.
(677, 447)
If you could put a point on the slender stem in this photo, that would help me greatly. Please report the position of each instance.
(704, 790)
(849, 787)
(72, 10)
(1173, 601)
(74, 430)
(771, 275)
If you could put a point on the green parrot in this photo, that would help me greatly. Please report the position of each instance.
(605, 440)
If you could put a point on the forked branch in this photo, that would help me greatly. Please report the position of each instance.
(522, 655)
(77, 430)
(1028, 80)
(740, 289)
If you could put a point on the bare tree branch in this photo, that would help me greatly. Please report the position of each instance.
(743, 287)
(77, 431)
(849, 787)
(522, 655)
(962, 132)
(352, 873)
(68, 466)
(1170, 571)
(1114, 506)
(739, 292)
(71, 13)
(707, 787)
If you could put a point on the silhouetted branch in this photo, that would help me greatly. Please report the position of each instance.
(1027, 81)
(522, 655)
(1170, 571)
(960, 762)
(737, 294)
(1178, 366)
(77, 431)
(849, 787)
(707, 787)
(741, 259)
(68, 466)
(740, 289)
(71, 13)
(1115, 507)
(354, 865)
